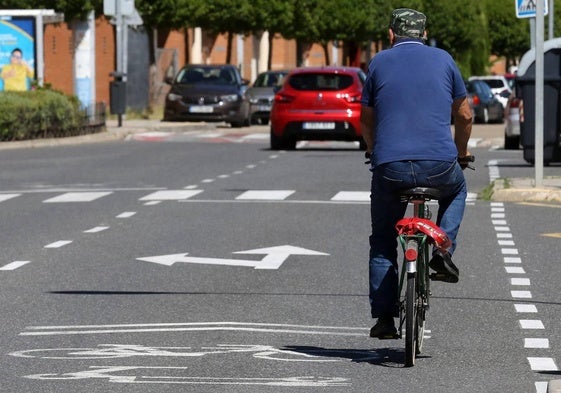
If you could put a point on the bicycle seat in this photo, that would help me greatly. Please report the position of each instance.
(419, 194)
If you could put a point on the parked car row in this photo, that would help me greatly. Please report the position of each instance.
(502, 86)
(309, 103)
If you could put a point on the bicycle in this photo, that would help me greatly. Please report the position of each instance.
(417, 234)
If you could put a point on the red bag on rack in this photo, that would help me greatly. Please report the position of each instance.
(412, 225)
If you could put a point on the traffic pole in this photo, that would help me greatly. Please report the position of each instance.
(538, 143)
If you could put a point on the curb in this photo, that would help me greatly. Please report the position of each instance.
(521, 190)
(554, 386)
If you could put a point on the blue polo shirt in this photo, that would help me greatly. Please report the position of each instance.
(411, 87)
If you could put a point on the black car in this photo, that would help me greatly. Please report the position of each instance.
(486, 107)
(210, 93)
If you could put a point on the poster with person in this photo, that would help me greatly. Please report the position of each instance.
(17, 53)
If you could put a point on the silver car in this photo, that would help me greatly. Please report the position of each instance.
(261, 95)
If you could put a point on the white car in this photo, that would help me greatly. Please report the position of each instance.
(500, 85)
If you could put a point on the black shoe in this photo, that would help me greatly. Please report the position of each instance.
(384, 329)
(445, 269)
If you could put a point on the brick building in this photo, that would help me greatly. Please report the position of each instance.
(174, 49)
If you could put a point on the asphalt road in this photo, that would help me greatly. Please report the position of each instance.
(214, 264)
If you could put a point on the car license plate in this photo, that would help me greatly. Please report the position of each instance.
(264, 108)
(201, 109)
(319, 126)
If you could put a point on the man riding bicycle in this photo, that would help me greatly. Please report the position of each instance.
(410, 93)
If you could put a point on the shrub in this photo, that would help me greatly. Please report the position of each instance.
(39, 114)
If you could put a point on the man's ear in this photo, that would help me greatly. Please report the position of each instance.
(391, 36)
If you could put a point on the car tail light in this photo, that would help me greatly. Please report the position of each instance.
(476, 100)
(515, 103)
(284, 98)
(354, 97)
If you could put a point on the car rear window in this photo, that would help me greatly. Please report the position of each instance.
(269, 80)
(320, 81)
(494, 83)
(206, 75)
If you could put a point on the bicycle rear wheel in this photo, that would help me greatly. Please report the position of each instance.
(411, 327)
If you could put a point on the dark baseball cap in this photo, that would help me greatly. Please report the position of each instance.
(408, 23)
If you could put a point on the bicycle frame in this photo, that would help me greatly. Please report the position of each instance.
(415, 268)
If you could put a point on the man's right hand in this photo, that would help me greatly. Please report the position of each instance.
(466, 160)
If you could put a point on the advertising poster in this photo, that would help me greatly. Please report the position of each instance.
(17, 53)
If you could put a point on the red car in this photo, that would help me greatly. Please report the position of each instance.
(317, 103)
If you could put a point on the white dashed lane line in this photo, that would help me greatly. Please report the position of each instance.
(530, 327)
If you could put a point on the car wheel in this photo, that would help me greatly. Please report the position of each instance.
(512, 142)
(485, 116)
(282, 143)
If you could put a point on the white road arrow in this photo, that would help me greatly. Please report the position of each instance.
(273, 259)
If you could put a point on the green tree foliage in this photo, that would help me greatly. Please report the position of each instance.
(461, 30)
(470, 30)
(508, 35)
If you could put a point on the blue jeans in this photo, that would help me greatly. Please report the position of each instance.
(386, 209)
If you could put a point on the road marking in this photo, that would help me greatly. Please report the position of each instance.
(525, 308)
(5, 197)
(542, 364)
(273, 259)
(14, 265)
(105, 372)
(536, 343)
(506, 243)
(520, 281)
(171, 195)
(509, 251)
(194, 326)
(265, 195)
(521, 294)
(556, 235)
(58, 244)
(355, 196)
(77, 197)
(531, 324)
(541, 386)
(96, 229)
(503, 232)
(126, 214)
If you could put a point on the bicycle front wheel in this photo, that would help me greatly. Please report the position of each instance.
(411, 320)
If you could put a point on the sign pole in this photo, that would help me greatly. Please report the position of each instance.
(539, 130)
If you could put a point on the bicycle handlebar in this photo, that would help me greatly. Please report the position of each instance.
(465, 162)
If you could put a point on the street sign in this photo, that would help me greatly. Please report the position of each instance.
(527, 8)
(126, 7)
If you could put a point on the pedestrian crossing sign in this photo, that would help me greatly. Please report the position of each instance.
(527, 8)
